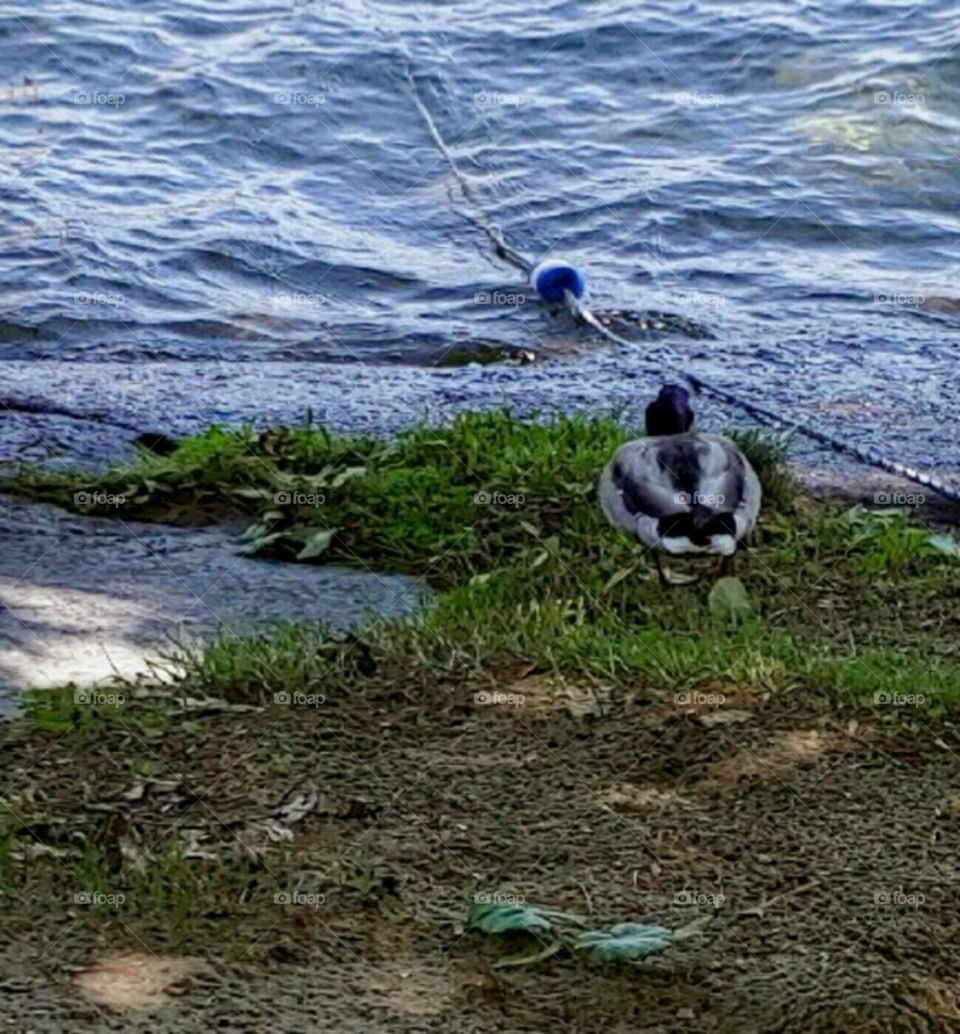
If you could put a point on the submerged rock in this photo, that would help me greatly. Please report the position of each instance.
(158, 444)
(486, 354)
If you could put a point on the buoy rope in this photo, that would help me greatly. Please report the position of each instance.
(480, 218)
(479, 215)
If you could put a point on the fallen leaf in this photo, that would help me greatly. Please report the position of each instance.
(623, 942)
(728, 599)
(317, 544)
(945, 544)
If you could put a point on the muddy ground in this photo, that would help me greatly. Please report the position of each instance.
(828, 844)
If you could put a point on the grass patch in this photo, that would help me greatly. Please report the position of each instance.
(501, 517)
(768, 456)
(82, 715)
(162, 897)
(274, 666)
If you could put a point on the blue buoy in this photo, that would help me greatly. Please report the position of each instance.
(552, 277)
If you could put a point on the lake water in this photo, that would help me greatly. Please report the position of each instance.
(221, 210)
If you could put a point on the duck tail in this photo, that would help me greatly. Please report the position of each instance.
(705, 522)
(701, 517)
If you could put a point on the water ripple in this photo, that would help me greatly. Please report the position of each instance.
(184, 183)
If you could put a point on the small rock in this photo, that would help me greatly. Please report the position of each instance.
(725, 716)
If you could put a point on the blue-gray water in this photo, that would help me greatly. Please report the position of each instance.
(190, 185)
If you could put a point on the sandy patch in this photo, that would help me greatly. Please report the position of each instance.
(136, 981)
(788, 752)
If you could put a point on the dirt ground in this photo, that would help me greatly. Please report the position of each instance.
(828, 844)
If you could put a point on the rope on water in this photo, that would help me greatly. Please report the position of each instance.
(560, 282)
(479, 216)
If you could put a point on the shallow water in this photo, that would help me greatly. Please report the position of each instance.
(199, 185)
(85, 602)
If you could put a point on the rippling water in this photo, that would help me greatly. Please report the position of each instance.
(249, 182)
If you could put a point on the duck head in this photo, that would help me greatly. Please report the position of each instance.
(670, 411)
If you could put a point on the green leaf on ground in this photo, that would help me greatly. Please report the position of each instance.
(623, 942)
(728, 599)
(494, 918)
(945, 544)
(256, 545)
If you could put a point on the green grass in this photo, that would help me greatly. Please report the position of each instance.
(413, 504)
(194, 900)
(500, 516)
(83, 713)
(769, 457)
(288, 659)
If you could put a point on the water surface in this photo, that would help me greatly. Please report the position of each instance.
(189, 186)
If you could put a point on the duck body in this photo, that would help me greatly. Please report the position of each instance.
(682, 494)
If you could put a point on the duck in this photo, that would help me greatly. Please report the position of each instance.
(678, 491)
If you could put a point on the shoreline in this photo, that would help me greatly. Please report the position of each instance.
(179, 398)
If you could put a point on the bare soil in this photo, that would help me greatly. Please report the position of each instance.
(827, 844)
